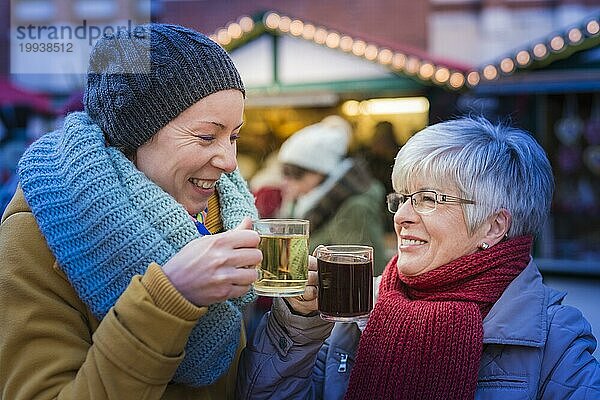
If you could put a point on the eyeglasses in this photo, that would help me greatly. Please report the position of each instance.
(423, 201)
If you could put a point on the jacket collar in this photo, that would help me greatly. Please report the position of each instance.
(520, 315)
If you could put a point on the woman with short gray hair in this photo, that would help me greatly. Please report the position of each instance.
(462, 311)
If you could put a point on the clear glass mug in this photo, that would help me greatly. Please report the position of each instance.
(284, 268)
(345, 282)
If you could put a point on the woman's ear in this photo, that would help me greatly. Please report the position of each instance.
(498, 227)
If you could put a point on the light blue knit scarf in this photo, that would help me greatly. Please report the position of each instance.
(105, 222)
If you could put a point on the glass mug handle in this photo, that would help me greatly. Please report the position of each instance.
(314, 253)
(260, 273)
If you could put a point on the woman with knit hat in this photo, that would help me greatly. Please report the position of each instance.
(127, 250)
(462, 312)
(336, 193)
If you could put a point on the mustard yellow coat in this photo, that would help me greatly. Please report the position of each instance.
(52, 347)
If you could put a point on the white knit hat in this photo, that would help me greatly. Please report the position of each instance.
(319, 147)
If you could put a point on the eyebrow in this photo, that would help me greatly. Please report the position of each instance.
(218, 124)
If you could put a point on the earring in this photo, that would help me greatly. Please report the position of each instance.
(484, 246)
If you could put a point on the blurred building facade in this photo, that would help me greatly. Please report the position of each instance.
(407, 62)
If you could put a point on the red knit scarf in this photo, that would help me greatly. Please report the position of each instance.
(425, 335)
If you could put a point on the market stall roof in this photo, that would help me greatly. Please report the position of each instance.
(564, 61)
(283, 54)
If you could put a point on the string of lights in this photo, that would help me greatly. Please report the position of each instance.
(410, 64)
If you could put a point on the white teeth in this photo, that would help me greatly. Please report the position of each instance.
(411, 242)
(203, 184)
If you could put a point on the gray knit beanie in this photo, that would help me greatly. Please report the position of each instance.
(139, 81)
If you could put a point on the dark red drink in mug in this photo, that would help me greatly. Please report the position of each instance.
(345, 282)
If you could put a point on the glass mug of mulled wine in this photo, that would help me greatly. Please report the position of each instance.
(284, 268)
(345, 282)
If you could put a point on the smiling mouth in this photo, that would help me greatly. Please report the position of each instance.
(202, 183)
(411, 242)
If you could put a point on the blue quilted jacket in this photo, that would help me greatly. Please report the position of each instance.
(534, 348)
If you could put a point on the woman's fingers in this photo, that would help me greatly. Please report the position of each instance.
(313, 278)
(310, 293)
(245, 258)
(312, 263)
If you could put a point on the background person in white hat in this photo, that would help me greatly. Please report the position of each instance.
(333, 191)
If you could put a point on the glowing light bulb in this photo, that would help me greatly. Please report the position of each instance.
(457, 80)
(308, 32)
(385, 56)
(246, 23)
(523, 57)
(575, 35)
(412, 65)
(272, 20)
(296, 27)
(346, 43)
(234, 30)
(557, 43)
(398, 61)
(442, 75)
(358, 48)
(223, 37)
(371, 52)
(284, 24)
(490, 72)
(473, 78)
(426, 71)
(507, 65)
(332, 40)
(540, 50)
(320, 36)
(593, 27)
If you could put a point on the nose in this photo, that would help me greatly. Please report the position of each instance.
(225, 157)
(405, 214)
